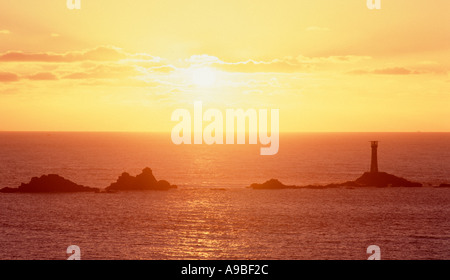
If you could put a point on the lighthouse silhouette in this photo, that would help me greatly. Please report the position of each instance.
(374, 160)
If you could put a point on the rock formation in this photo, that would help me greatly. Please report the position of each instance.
(374, 178)
(142, 182)
(271, 184)
(383, 179)
(56, 184)
(49, 184)
(368, 179)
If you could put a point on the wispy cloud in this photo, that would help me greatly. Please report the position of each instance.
(43, 76)
(8, 77)
(106, 63)
(387, 71)
(395, 71)
(5, 32)
(103, 53)
(279, 65)
(105, 72)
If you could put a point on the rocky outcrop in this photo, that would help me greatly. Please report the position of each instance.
(9, 190)
(271, 184)
(383, 179)
(368, 179)
(274, 184)
(142, 182)
(49, 184)
(56, 184)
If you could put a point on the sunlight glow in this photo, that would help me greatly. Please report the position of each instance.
(204, 77)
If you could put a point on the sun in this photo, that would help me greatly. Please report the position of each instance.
(204, 77)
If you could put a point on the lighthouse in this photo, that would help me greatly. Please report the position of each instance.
(374, 160)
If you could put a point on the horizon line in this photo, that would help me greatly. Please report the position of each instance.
(160, 132)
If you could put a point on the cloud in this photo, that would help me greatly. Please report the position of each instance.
(283, 65)
(102, 63)
(126, 82)
(103, 53)
(163, 69)
(5, 32)
(252, 66)
(110, 54)
(8, 77)
(43, 76)
(387, 71)
(105, 72)
(332, 59)
(54, 35)
(203, 59)
(395, 71)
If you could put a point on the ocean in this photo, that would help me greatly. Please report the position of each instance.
(212, 215)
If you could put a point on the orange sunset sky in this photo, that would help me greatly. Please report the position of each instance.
(127, 65)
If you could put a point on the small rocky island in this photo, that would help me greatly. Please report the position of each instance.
(383, 179)
(56, 184)
(51, 183)
(272, 184)
(142, 182)
(374, 178)
(380, 180)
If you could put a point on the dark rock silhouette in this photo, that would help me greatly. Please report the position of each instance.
(56, 184)
(142, 182)
(9, 190)
(368, 179)
(49, 184)
(374, 178)
(271, 184)
(383, 179)
(274, 184)
(444, 186)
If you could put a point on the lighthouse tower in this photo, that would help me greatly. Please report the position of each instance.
(374, 161)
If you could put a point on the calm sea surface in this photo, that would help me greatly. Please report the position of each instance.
(200, 221)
